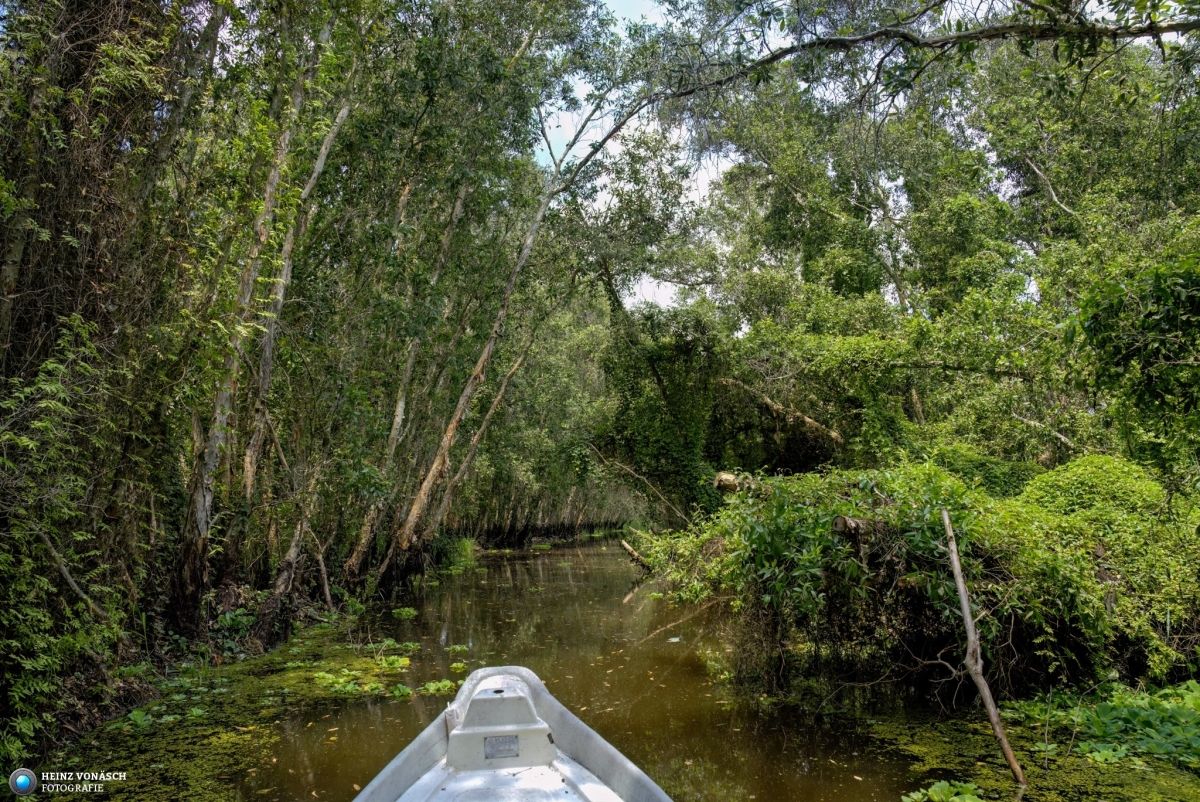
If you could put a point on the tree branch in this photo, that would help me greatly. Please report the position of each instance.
(1032, 31)
(787, 413)
(1050, 187)
(1060, 437)
(634, 473)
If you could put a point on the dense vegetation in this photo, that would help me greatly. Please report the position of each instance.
(293, 293)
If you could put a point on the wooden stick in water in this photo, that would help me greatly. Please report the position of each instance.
(973, 659)
(639, 559)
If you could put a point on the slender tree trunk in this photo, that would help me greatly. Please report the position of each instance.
(320, 552)
(266, 628)
(191, 575)
(267, 357)
(404, 535)
(448, 494)
(198, 66)
(973, 659)
(353, 566)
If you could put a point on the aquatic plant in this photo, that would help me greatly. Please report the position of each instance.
(458, 668)
(393, 663)
(345, 681)
(946, 791)
(401, 691)
(457, 649)
(1120, 722)
(404, 613)
(442, 687)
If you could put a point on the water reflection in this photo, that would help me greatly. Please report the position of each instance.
(612, 652)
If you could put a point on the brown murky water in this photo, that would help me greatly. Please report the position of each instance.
(604, 647)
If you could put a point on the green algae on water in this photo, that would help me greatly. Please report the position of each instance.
(963, 748)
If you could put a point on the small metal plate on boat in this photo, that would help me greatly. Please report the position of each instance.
(500, 746)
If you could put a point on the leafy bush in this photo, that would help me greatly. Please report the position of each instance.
(998, 477)
(404, 613)
(1073, 576)
(1097, 481)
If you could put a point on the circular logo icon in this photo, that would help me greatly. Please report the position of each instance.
(22, 782)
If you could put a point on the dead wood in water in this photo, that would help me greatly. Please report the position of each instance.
(639, 559)
(973, 659)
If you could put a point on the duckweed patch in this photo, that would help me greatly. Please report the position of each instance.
(963, 749)
(209, 725)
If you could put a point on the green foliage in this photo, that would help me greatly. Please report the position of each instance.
(1097, 482)
(1075, 575)
(442, 687)
(404, 613)
(45, 627)
(1121, 721)
(1000, 478)
(394, 663)
(946, 791)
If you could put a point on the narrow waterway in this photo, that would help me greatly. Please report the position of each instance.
(617, 655)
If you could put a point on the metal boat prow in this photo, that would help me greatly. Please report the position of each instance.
(504, 738)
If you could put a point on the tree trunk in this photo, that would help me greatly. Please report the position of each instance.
(320, 551)
(267, 356)
(266, 630)
(191, 575)
(448, 494)
(353, 565)
(404, 535)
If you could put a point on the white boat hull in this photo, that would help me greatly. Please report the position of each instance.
(504, 738)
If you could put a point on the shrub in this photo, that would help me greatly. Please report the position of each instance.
(998, 477)
(1071, 577)
(1097, 482)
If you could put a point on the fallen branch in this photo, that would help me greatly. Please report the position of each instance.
(637, 558)
(787, 413)
(973, 659)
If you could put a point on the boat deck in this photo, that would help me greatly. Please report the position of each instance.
(564, 779)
